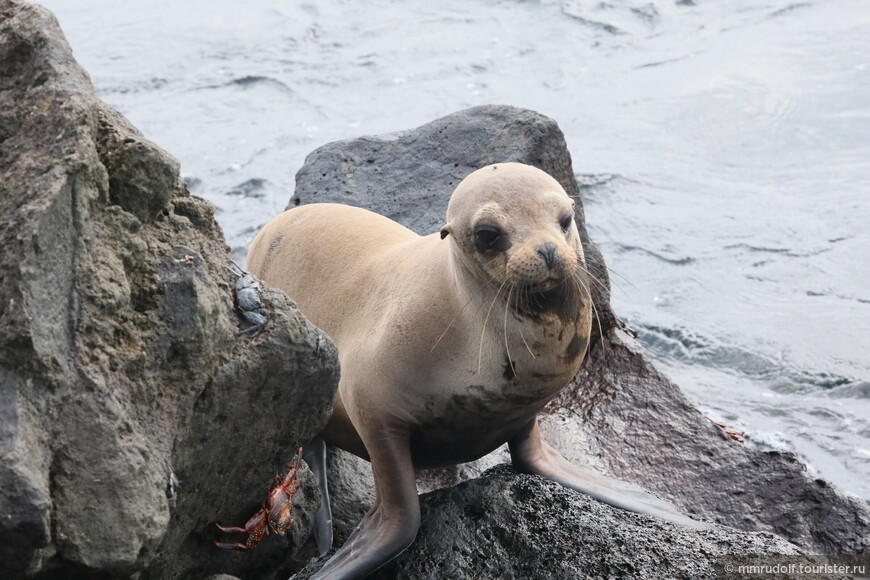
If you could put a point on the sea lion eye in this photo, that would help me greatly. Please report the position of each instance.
(565, 222)
(487, 238)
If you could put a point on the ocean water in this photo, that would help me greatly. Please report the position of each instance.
(723, 150)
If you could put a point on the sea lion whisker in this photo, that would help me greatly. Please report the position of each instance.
(570, 285)
(624, 279)
(592, 303)
(592, 276)
(581, 283)
(522, 335)
(449, 324)
(522, 306)
(537, 297)
(456, 316)
(611, 280)
(504, 329)
(483, 329)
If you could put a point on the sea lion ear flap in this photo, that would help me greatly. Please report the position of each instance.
(445, 231)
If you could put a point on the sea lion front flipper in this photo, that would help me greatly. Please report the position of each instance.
(531, 454)
(394, 519)
(314, 455)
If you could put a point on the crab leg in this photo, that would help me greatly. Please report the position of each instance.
(232, 529)
(231, 546)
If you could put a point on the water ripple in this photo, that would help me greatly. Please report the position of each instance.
(689, 346)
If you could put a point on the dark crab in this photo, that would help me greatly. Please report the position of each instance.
(248, 298)
(274, 517)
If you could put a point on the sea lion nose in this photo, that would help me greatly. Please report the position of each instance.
(548, 252)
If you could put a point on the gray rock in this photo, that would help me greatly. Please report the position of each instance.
(620, 414)
(504, 525)
(133, 416)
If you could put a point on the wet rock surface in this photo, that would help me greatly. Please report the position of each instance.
(625, 417)
(133, 415)
(620, 415)
(408, 176)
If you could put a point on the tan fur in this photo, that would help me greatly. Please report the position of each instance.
(447, 351)
(417, 322)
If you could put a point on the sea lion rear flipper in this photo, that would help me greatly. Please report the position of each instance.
(531, 454)
(314, 455)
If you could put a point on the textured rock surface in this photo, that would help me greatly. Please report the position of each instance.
(504, 525)
(620, 415)
(132, 414)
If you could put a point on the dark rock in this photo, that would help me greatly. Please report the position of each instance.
(132, 414)
(505, 525)
(619, 415)
(255, 187)
(142, 177)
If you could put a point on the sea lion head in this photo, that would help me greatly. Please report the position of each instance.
(514, 224)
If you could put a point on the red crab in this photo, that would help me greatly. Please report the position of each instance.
(275, 515)
(739, 436)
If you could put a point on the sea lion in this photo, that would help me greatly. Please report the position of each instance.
(449, 344)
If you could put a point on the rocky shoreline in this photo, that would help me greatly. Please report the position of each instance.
(620, 414)
(134, 415)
